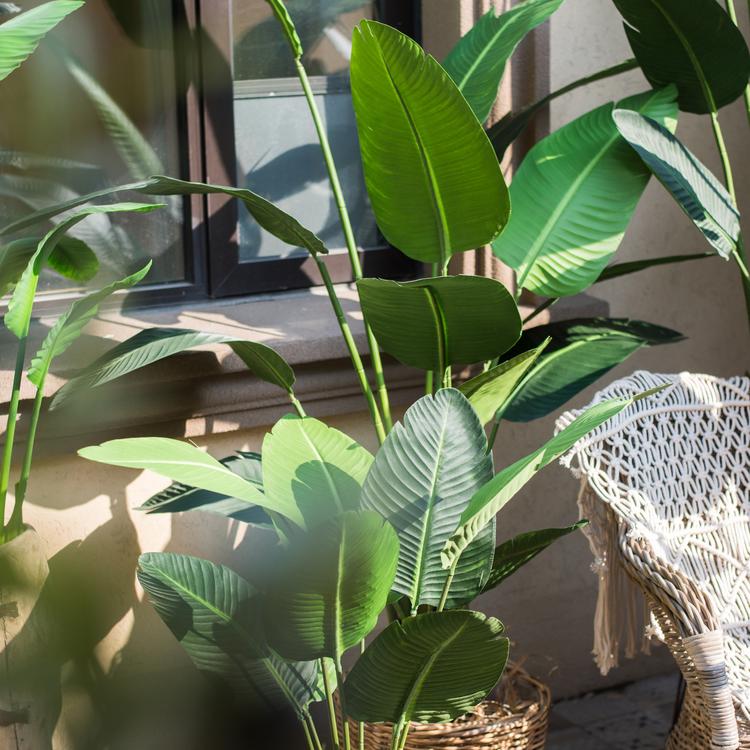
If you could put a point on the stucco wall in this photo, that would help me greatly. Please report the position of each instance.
(83, 510)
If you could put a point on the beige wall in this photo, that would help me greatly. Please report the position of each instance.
(548, 608)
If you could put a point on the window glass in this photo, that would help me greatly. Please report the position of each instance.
(95, 106)
(278, 154)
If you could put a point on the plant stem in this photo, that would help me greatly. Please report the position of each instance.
(308, 736)
(396, 735)
(447, 586)
(404, 736)
(342, 700)
(10, 430)
(493, 435)
(539, 310)
(331, 707)
(353, 352)
(313, 731)
(351, 243)
(733, 15)
(297, 405)
(361, 725)
(429, 382)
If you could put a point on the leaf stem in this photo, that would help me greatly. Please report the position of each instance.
(361, 725)
(331, 707)
(404, 736)
(308, 736)
(10, 431)
(313, 731)
(733, 15)
(297, 405)
(540, 309)
(447, 586)
(396, 734)
(351, 243)
(342, 701)
(353, 352)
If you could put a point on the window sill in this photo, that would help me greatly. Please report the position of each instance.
(209, 390)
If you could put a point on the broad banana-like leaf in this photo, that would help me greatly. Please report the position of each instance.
(424, 475)
(273, 219)
(634, 266)
(70, 325)
(431, 174)
(20, 36)
(213, 614)
(178, 497)
(183, 462)
(580, 352)
(488, 391)
(478, 60)
(433, 323)
(135, 151)
(573, 198)
(314, 467)
(491, 498)
(287, 26)
(71, 258)
(22, 300)
(512, 555)
(330, 587)
(693, 45)
(511, 125)
(697, 192)
(154, 344)
(429, 668)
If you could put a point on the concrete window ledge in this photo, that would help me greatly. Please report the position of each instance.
(209, 390)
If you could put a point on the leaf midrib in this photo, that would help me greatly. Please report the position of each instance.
(485, 52)
(324, 466)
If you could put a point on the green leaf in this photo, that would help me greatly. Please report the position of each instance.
(21, 302)
(573, 198)
(154, 344)
(634, 266)
(491, 498)
(477, 62)
(178, 497)
(20, 36)
(70, 325)
(429, 668)
(424, 475)
(488, 391)
(581, 351)
(697, 192)
(287, 26)
(330, 587)
(431, 323)
(693, 45)
(183, 462)
(213, 614)
(135, 151)
(431, 174)
(522, 549)
(314, 467)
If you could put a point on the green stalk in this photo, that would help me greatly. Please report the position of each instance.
(331, 707)
(16, 519)
(353, 352)
(308, 736)
(10, 430)
(447, 586)
(361, 725)
(540, 309)
(429, 382)
(308, 720)
(733, 15)
(351, 243)
(404, 736)
(344, 715)
(397, 731)
(297, 405)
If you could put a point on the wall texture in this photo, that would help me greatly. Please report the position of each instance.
(84, 511)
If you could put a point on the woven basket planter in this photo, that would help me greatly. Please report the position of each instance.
(515, 719)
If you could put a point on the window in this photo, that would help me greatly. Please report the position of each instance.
(203, 90)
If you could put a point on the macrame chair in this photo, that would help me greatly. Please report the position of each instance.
(666, 488)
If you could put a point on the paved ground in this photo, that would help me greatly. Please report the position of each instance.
(635, 717)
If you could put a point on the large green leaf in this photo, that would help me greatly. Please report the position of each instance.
(213, 614)
(315, 467)
(488, 391)
(693, 45)
(432, 176)
(154, 344)
(331, 585)
(478, 60)
(512, 555)
(20, 36)
(634, 266)
(22, 300)
(697, 192)
(491, 498)
(424, 475)
(573, 198)
(178, 497)
(429, 668)
(431, 323)
(70, 325)
(183, 462)
(581, 351)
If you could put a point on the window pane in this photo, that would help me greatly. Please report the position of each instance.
(277, 149)
(96, 105)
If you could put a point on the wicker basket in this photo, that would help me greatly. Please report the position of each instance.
(516, 719)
